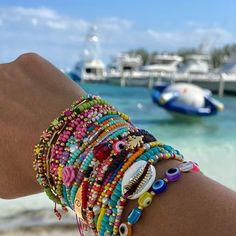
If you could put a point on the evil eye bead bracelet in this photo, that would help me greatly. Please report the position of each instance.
(158, 187)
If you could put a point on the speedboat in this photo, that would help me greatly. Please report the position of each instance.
(186, 99)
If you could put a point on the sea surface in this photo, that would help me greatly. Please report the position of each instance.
(210, 141)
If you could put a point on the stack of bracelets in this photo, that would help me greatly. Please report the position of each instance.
(92, 159)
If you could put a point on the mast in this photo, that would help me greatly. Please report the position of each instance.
(92, 49)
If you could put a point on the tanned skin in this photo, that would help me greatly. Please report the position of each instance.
(32, 93)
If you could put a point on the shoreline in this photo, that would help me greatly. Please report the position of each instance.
(46, 230)
(39, 222)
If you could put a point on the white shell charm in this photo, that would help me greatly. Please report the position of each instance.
(139, 178)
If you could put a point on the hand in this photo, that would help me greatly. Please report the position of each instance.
(32, 93)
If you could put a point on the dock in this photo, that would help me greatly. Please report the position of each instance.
(217, 83)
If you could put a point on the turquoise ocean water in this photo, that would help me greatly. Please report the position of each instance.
(211, 142)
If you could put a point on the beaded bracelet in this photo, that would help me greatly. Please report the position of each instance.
(80, 125)
(42, 150)
(70, 147)
(103, 209)
(153, 155)
(158, 187)
(84, 161)
(87, 163)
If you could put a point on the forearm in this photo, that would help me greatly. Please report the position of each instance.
(195, 205)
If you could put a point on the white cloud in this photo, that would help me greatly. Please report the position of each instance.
(60, 38)
(41, 12)
(57, 25)
(115, 24)
(34, 21)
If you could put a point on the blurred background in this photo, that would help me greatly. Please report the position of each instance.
(170, 65)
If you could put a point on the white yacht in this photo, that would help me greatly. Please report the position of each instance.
(125, 63)
(229, 67)
(89, 67)
(163, 63)
(228, 74)
(89, 70)
(125, 69)
(196, 64)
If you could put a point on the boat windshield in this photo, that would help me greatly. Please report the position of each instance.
(163, 62)
(94, 71)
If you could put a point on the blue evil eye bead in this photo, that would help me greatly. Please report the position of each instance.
(173, 174)
(131, 177)
(125, 229)
(186, 166)
(159, 186)
(134, 216)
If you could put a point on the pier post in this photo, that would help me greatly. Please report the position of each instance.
(189, 78)
(151, 81)
(221, 86)
(173, 78)
(122, 79)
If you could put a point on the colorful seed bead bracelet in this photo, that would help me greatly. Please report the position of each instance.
(93, 159)
(42, 150)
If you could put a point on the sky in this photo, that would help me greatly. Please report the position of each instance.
(56, 29)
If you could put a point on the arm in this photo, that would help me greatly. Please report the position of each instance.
(195, 205)
(33, 93)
